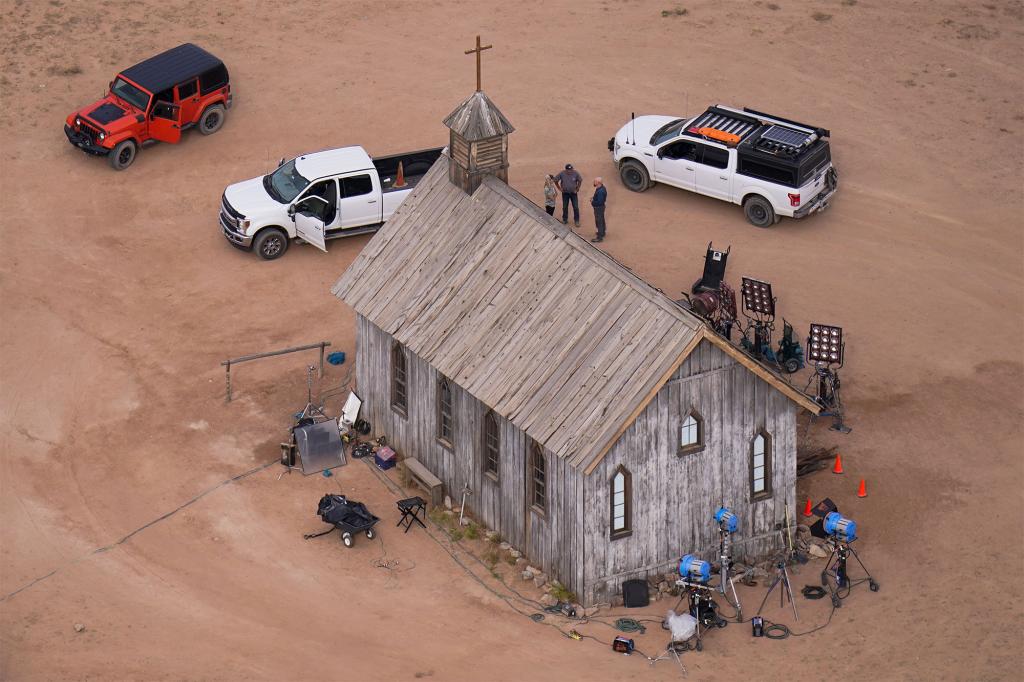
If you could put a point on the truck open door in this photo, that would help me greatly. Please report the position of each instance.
(309, 225)
(165, 122)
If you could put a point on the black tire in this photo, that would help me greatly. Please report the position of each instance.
(122, 155)
(759, 212)
(270, 243)
(370, 533)
(634, 176)
(791, 365)
(212, 119)
(346, 539)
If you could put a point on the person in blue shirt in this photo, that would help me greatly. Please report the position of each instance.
(598, 201)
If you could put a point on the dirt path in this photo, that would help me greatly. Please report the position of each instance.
(120, 298)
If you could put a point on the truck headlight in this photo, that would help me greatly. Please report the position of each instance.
(102, 135)
(243, 224)
(78, 122)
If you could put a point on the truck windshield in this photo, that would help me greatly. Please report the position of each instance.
(285, 183)
(129, 93)
(667, 131)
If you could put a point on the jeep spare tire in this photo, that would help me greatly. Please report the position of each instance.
(634, 176)
(122, 155)
(212, 119)
(271, 243)
(759, 212)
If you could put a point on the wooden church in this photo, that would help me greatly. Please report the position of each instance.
(598, 424)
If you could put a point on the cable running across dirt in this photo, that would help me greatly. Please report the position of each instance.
(129, 536)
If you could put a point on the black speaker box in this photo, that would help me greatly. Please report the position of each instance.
(634, 594)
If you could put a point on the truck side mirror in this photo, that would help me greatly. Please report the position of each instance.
(291, 211)
(281, 162)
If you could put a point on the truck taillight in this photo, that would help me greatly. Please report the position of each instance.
(794, 199)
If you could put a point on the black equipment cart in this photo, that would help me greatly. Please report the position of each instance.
(351, 518)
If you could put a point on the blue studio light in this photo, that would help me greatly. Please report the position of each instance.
(727, 520)
(690, 567)
(840, 526)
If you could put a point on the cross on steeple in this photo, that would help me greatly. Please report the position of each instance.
(478, 49)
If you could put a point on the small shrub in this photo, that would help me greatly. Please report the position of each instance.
(496, 539)
(562, 593)
(438, 517)
(472, 531)
(455, 534)
(676, 12)
(772, 6)
(821, 16)
(490, 557)
(510, 560)
(64, 70)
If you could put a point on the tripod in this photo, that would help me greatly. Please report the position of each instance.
(724, 545)
(787, 589)
(838, 574)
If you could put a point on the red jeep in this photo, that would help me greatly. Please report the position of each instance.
(153, 101)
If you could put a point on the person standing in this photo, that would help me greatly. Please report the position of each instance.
(598, 201)
(550, 192)
(569, 183)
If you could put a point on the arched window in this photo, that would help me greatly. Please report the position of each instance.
(445, 415)
(621, 503)
(761, 466)
(492, 444)
(691, 433)
(538, 479)
(399, 379)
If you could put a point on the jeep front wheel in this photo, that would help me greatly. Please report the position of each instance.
(759, 211)
(271, 243)
(122, 155)
(212, 119)
(634, 176)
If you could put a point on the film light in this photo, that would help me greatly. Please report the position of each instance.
(757, 297)
(825, 344)
(838, 525)
(692, 568)
(726, 520)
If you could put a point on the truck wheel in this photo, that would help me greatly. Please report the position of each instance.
(212, 119)
(271, 243)
(759, 211)
(634, 176)
(122, 155)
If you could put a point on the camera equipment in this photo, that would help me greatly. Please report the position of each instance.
(790, 355)
(825, 348)
(695, 576)
(623, 645)
(712, 298)
(781, 576)
(841, 532)
(728, 523)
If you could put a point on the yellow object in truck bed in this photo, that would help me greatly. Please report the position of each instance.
(720, 135)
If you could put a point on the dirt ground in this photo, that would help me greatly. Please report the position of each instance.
(120, 299)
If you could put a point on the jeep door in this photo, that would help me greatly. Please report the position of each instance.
(676, 164)
(188, 100)
(165, 122)
(713, 175)
(360, 200)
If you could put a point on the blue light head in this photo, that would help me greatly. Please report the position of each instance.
(727, 520)
(692, 568)
(840, 526)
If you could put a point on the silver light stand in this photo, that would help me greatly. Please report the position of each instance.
(786, 592)
(725, 554)
(826, 348)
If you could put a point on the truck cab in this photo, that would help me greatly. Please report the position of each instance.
(318, 197)
(153, 101)
(770, 166)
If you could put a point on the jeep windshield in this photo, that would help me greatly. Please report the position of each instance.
(667, 131)
(285, 183)
(129, 93)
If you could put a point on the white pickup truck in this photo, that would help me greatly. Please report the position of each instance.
(320, 196)
(770, 166)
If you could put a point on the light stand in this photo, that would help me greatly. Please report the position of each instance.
(825, 348)
(727, 525)
(786, 592)
(835, 576)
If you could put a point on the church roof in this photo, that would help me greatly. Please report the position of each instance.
(477, 118)
(525, 315)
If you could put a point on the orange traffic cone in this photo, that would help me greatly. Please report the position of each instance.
(807, 507)
(400, 179)
(838, 467)
(862, 491)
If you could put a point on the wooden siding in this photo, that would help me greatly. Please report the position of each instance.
(552, 541)
(488, 154)
(675, 497)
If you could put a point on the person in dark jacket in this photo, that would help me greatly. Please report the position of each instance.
(569, 183)
(598, 201)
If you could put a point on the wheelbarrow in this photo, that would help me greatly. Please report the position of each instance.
(349, 517)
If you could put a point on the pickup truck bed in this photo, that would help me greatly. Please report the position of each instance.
(414, 166)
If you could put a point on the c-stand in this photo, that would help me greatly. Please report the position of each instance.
(787, 589)
(835, 571)
(724, 545)
(702, 607)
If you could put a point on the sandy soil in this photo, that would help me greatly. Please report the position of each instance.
(120, 298)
